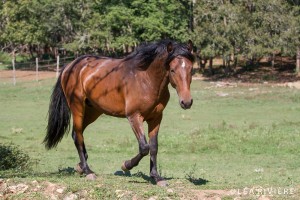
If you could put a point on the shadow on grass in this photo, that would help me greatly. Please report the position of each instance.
(67, 171)
(192, 177)
(142, 175)
(70, 171)
(122, 173)
(198, 181)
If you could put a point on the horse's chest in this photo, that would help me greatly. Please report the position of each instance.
(156, 105)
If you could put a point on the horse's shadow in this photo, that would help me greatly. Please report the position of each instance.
(195, 181)
(142, 175)
(70, 171)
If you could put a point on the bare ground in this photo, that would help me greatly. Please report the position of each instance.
(7, 75)
(49, 190)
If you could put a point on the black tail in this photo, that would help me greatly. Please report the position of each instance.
(58, 117)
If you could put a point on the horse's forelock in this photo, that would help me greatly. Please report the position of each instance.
(180, 50)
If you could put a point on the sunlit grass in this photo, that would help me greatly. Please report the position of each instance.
(249, 137)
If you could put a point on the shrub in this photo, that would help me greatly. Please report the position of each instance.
(5, 57)
(12, 157)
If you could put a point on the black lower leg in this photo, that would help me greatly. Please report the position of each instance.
(153, 157)
(143, 151)
(85, 152)
(83, 164)
(78, 140)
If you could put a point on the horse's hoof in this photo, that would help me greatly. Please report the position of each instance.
(123, 167)
(162, 183)
(91, 177)
(78, 169)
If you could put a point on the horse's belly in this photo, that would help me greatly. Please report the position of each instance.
(108, 103)
(112, 107)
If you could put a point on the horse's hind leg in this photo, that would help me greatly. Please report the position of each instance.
(79, 143)
(81, 119)
(82, 167)
(136, 123)
(90, 116)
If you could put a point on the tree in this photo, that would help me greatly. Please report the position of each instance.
(227, 28)
(218, 29)
(155, 20)
(250, 29)
(20, 26)
(292, 35)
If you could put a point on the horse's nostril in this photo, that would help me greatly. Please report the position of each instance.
(182, 103)
(186, 104)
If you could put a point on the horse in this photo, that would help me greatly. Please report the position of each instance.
(134, 87)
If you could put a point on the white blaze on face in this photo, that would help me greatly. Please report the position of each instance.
(183, 64)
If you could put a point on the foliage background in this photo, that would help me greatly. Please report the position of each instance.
(251, 28)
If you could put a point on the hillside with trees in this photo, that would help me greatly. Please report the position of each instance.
(228, 29)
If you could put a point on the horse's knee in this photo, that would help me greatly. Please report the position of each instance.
(144, 149)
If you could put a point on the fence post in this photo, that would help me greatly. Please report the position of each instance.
(57, 67)
(298, 61)
(37, 69)
(14, 71)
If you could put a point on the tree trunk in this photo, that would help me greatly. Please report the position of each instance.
(30, 51)
(198, 61)
(227, 67)
(273, 60)
(202, 63)
(234, 59)
(298, 62)
(210, 65)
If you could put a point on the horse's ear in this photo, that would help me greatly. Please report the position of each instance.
(169, 47)
(190, 45)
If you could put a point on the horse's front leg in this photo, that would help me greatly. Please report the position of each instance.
(153, 128)
(136, 122)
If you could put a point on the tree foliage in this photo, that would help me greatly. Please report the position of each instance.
(251, 28)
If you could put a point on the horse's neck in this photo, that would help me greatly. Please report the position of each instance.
(158, 75)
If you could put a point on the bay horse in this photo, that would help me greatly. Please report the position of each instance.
(135, 87)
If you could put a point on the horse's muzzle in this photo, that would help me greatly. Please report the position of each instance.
(186, 104)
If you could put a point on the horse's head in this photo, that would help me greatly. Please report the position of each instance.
(180, 64)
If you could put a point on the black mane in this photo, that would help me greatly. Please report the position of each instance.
(146, 53)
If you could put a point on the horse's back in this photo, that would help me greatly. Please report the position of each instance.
(98, 79)
(113, 86)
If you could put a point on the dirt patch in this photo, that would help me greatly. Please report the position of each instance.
(49, 190)
(285, 79)
(295, 85)
(6, 76)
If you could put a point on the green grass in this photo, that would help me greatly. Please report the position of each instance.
(249, 138)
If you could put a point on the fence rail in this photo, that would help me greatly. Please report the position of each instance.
(40, 65)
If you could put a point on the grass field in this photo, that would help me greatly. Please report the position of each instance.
(235, 137)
